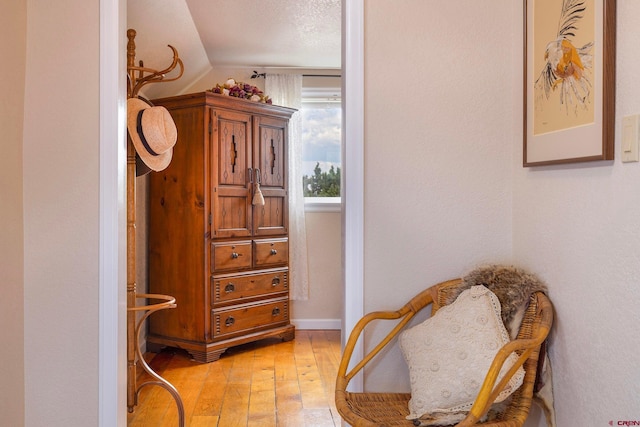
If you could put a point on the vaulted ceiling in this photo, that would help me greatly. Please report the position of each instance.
(236, 33)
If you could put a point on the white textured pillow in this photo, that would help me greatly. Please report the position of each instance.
(450, 353)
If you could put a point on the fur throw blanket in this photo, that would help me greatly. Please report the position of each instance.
(513, 286)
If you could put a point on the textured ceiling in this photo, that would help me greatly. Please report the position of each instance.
(235, 33)
(269, 33)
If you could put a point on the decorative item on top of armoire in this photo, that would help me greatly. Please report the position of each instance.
(152, 136)
(214, 243)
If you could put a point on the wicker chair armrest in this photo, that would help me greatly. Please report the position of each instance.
(406, 313)
(489, 390)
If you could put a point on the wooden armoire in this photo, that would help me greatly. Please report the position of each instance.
(222, 256)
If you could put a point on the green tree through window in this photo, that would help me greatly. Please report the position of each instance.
(322, 184)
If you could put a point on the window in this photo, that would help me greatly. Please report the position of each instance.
(321, 147)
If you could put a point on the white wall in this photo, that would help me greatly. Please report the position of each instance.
(13, 17)
(61, 214)
(579, 227)
(445, 188)
(324, 308)
(159, 23)
(438, 157)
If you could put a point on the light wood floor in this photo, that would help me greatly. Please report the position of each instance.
(268, 383)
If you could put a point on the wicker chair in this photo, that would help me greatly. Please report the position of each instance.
(390, 409)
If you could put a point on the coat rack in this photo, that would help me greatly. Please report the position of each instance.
(137, 77)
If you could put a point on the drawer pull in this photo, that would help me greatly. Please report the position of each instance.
(275, 312)
(230, 321)
(230, 288)
(235, 255)
(275, 282)
(274, 252)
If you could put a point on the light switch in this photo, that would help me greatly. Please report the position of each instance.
(630, 138)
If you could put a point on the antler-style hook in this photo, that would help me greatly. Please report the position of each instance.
(154, 76)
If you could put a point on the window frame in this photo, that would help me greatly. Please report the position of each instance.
(323, 96)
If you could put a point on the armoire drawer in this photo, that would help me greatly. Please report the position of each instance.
(248, 317)
(231, 256)
(271, 252)
(230, 288)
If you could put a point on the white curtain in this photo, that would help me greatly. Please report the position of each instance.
(286, 90)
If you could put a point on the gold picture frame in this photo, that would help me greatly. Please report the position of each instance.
(569, 81)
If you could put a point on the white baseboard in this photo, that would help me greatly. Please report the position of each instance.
(309, 324)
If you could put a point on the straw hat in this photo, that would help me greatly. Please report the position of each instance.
(153, 133)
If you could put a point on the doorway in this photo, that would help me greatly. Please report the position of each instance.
(112, 334)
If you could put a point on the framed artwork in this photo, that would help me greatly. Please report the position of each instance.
(569, 81)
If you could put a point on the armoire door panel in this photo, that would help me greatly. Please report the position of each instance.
(271, 218)
(271, 154)
(231, 213)
(232, 160)
(234, 156)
